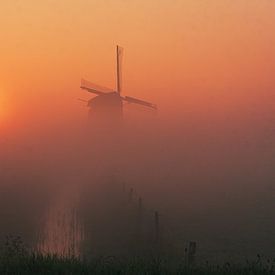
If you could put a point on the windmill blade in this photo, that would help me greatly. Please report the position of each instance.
(83, 100)
(119, 56)
(92, 91)
(138, 101)
(94, 88)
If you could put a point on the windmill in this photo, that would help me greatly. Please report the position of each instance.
(108, 103)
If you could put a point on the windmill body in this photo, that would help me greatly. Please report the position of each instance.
(107, 105)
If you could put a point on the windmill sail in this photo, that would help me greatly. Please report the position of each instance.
(138, 101)
(119, 53)
(94, 88)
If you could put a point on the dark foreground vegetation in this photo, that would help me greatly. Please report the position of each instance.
(15, 259)
(38, 264)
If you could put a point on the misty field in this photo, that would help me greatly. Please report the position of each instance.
(131, 201)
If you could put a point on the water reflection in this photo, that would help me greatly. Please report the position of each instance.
(63, 232)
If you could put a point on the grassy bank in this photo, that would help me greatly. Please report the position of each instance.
(38, 264)
(15, 258)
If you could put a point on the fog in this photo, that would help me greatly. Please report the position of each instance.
(208, 174)
(203, 162)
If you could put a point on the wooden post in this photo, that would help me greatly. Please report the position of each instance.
(140, 204)
(157, 227)
(131, 193)
(139, 214)
(139, 223)
(191, 253)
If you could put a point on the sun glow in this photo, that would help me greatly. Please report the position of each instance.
(4, 109)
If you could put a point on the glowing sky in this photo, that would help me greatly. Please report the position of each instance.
(186, 54)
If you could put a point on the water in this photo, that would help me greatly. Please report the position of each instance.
(63, 232)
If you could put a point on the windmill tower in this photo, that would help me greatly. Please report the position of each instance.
(107, 105)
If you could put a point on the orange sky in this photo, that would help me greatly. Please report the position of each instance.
(183, 54)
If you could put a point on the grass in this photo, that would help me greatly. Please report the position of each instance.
(51, 264)
(15, 259)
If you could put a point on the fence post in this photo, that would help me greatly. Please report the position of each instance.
(191, 253)
(157, 227)
(139, 223)
(140, 205)
(131, 192)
